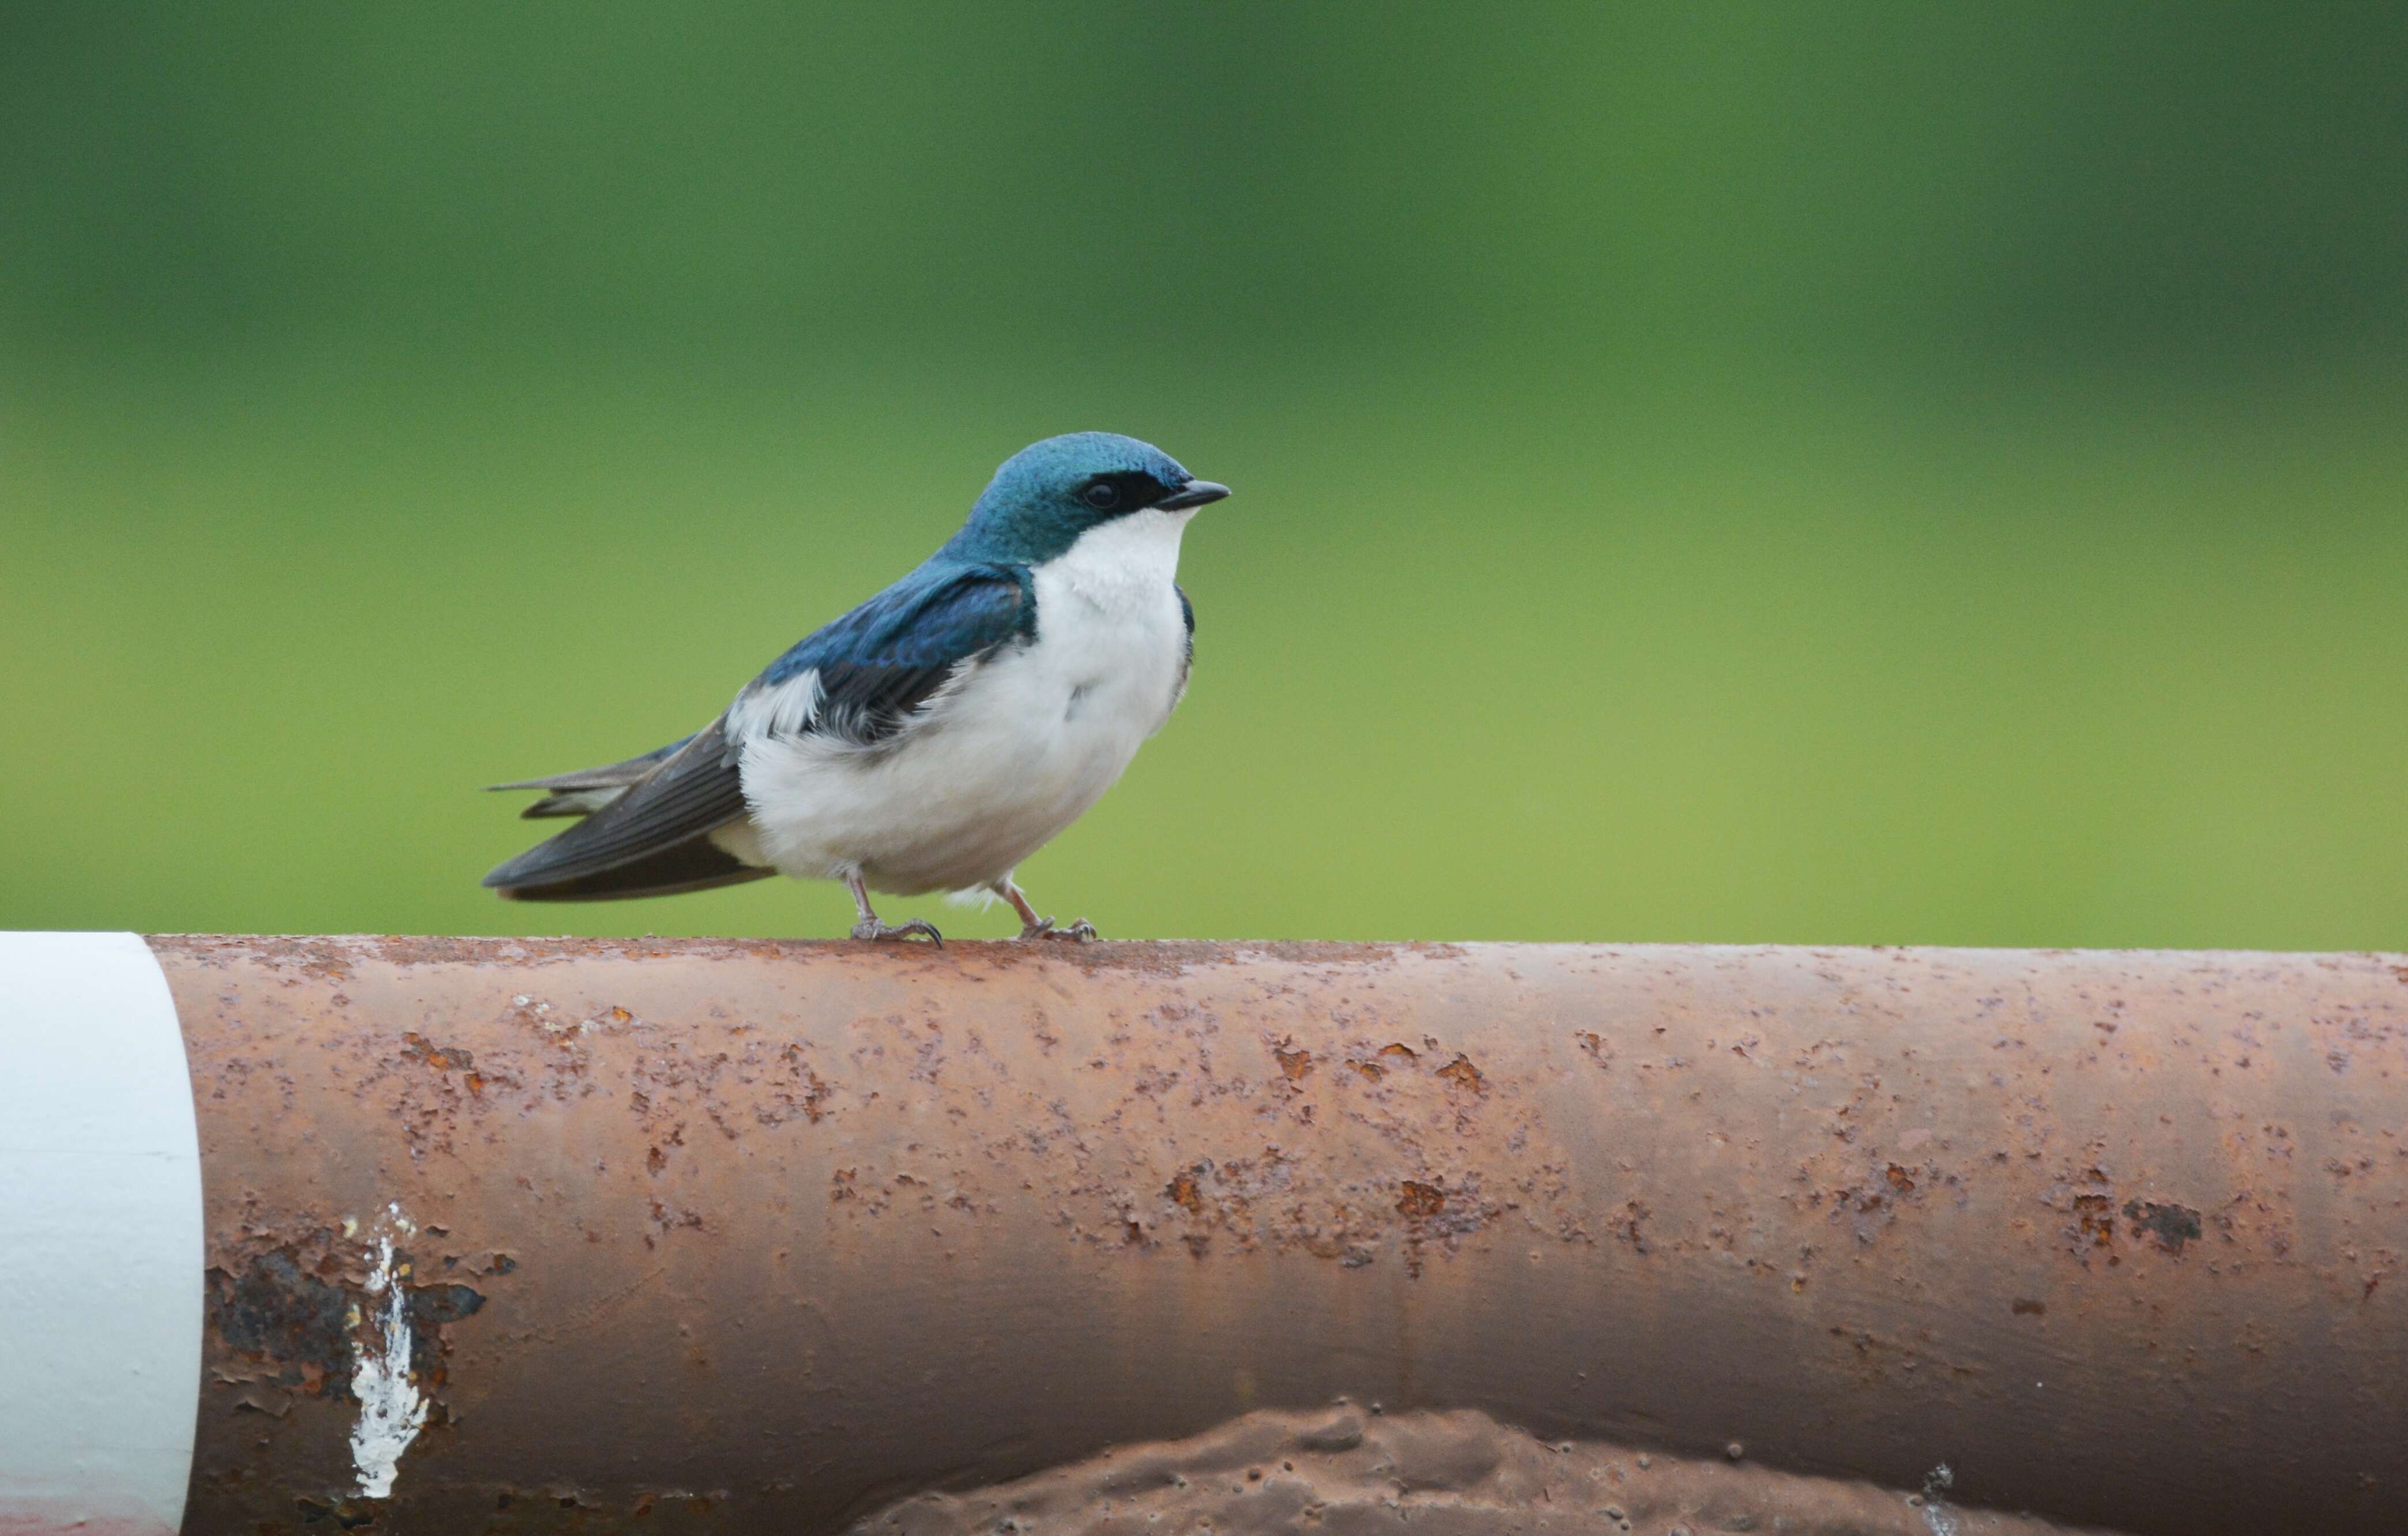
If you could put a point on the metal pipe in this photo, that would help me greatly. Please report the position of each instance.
(526, 1235)
(100, 1240)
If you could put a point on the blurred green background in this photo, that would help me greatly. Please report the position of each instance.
(1782, 471)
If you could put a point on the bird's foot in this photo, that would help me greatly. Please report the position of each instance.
(1042, 927)
(918, 928)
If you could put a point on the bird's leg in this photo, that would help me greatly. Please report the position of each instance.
(1034, 927)
(870, 928)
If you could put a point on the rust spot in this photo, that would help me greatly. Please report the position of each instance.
(1420, 1201)
(1461, 1073)
(1371, 1069)
(1185, 1192)
(1899, 1179)
(2094, 1219)
(261, 1398)
(666, 1218)
(2025, 1307)
(655, 1160)
(441, 1057)
(806, 1094)
(1401, 1052)
(1296, 1065)
(2169, 1226)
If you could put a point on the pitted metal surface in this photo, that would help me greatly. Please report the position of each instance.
(770, 1236)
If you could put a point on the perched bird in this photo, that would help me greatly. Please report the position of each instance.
(935, 736)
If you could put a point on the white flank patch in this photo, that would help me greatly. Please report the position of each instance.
(780, 709)
(391, 1409)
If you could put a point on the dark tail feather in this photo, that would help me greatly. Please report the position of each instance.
(609, 775)
(567, 802)
(588, 789)
(695, 864)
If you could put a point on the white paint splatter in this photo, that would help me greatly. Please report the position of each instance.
(1936, 1513)
(392, 1411)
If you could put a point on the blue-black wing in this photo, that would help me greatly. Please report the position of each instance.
(863, 677)
(859, 680)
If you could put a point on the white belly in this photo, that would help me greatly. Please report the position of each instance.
(1012, 756)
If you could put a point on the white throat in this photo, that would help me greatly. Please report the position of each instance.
(1136, 552)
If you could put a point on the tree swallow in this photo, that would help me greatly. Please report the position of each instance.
(935, 736)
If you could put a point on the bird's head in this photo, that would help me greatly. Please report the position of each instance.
(1049, 493)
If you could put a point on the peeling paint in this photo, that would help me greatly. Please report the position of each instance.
(391, 1409)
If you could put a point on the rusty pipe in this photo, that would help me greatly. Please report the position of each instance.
(763, 1236)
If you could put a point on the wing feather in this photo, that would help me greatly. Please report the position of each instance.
(864, 677)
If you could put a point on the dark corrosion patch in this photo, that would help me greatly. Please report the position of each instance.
(280, 1315)
(2169, 1226)
(296, 1324)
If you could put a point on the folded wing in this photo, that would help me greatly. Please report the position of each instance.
(868, 678)
(655, 824)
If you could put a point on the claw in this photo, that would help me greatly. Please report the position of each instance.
(1078, 932)
(918, 928)
(869, 928)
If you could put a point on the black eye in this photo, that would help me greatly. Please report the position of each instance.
(1103, 495)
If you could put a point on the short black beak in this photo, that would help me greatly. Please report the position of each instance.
(1194, 494)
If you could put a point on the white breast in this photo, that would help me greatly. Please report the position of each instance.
(1011, 757)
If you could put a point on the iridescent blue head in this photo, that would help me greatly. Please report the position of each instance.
(1050, 493)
